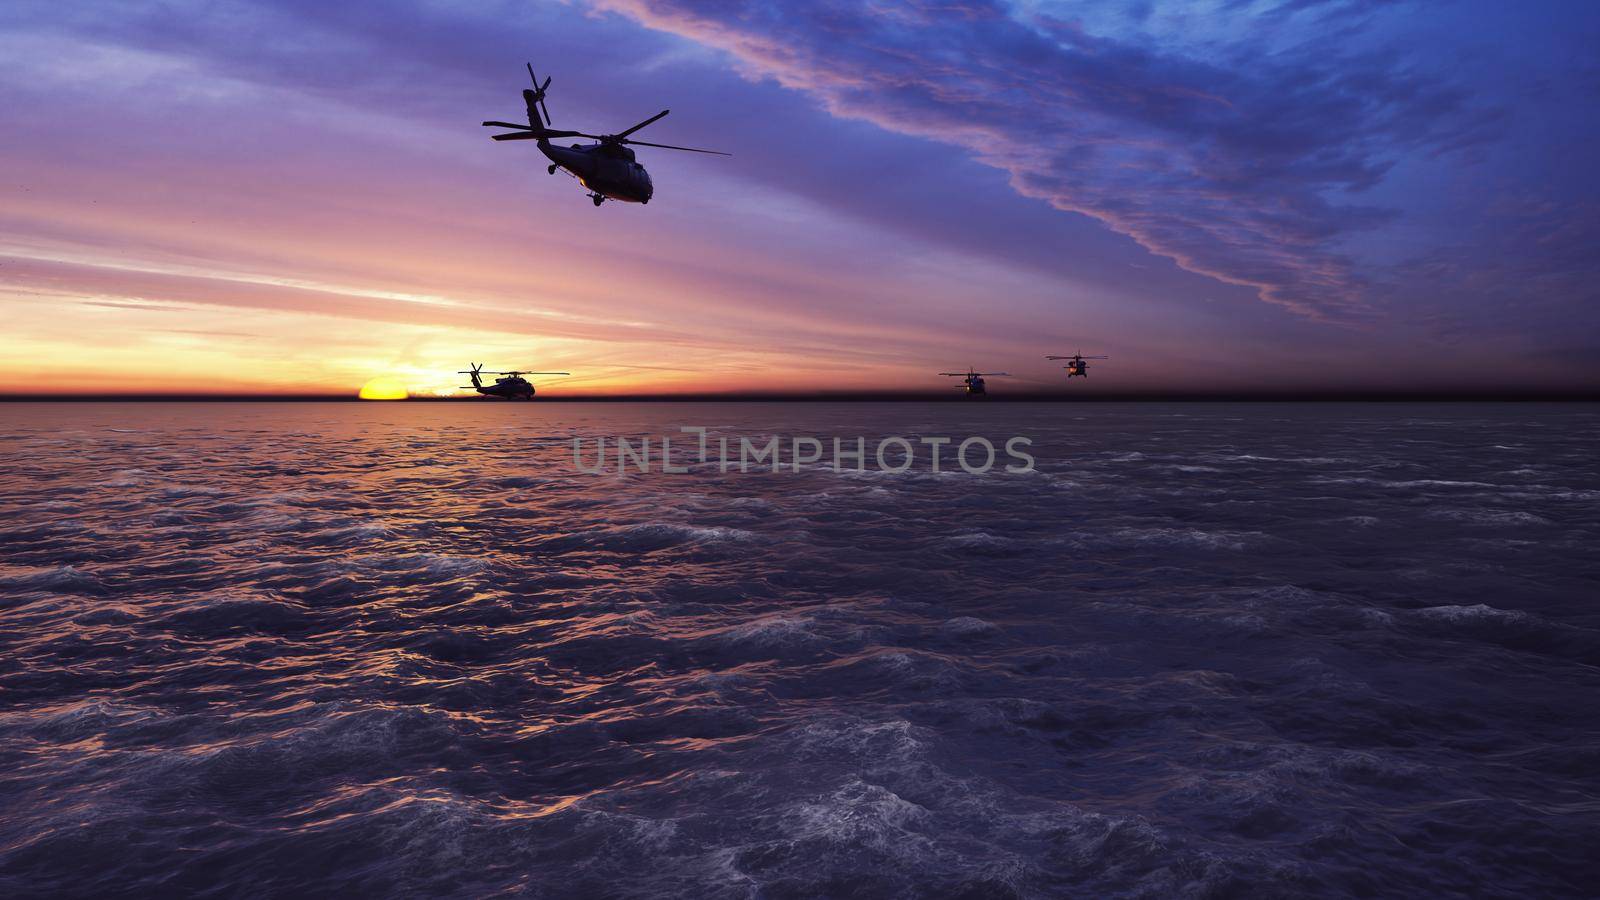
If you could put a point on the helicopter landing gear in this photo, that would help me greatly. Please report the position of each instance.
(597, 198)
(551, 168)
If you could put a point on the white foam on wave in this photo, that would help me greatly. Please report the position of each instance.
(631, 536)
(1390, 483)
(1488, 516)
(126, 478)
(882, 791)
(82, 720)
(769, 631)
(1375, 618)
(859, 814)
(1187, 537)
(967, 626)
(435, 564)
(268, 520)
(361, 530)
(978, 540)
(334, 733)
(891, 741)
(1476, 613)
(721, 682)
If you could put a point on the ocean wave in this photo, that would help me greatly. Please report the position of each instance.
(967, 627)
(768, 632)
(287, 642)
(1485, 516)
(1476, 613)
(645, 537)
(983, 543)
(221, 613)
(1193, 538)
(58, 579)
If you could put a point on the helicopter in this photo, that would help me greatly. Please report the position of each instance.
(510, 387)
(974, 380)
(1076, 365)
(608, 168)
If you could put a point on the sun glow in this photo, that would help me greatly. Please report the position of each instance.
(384, 388)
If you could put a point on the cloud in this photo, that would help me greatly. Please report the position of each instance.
(1236, 160)
(281, 162)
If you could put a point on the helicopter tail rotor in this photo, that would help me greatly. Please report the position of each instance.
(538, 112)
(538, 127)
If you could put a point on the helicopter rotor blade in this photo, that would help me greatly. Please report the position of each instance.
(584, 134)
(671, 147)
(508, 125)
(528, 134)
(653, 118)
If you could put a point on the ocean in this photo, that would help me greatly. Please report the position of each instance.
(1195, 650)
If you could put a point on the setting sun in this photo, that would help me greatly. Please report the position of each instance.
(384, 388)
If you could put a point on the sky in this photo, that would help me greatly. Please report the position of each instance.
(293, 196)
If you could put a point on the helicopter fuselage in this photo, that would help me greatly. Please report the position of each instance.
(607, 170)
(975, 385)
(508, 388)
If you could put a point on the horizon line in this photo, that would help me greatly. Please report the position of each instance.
(1545, 395)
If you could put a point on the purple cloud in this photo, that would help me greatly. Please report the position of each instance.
(1237, 164)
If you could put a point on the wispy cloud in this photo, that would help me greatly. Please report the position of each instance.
(1238, 165)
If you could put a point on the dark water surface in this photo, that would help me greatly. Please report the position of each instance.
(1205, 650)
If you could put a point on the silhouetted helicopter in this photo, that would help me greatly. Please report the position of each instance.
(511, 387)
(974, 380)
(607, 169)
(1076, 364)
